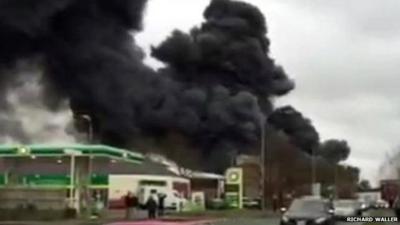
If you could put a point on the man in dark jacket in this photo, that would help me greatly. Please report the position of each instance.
(152, 204)
(161, 204)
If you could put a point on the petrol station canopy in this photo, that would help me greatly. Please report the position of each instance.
(48, 150)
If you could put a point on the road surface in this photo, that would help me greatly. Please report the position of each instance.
(267, 221)
(275, 221)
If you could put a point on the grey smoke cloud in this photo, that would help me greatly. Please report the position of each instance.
(26, 119)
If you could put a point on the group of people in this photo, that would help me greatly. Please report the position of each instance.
(155, 205)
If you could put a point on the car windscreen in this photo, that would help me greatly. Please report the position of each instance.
(308, 206)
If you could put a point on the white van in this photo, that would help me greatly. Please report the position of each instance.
(173, 199)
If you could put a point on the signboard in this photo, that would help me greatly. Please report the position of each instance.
(59, 181)
(72, 152)
(316, 189)
(234, 187)
(46, 180)
(3, 179)
(199, 201)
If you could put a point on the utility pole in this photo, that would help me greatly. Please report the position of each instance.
(313, 170)
(336, 181)
(262, 161)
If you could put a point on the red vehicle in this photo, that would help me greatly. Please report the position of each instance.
(390, 190)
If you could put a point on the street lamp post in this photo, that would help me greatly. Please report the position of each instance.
(88, 196)
(88, 118)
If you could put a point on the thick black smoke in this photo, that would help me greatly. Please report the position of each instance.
(229, 49)
(334, 150)
(214, 89)
(299, 129)
(229, 55)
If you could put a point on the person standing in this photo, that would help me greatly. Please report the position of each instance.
(161, 204)
(99, 204)
(275, 202)
(130, 205)
(396, 206)
(152, 204)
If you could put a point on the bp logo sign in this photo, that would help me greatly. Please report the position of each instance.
(234, 176)
(234, 187)
(23, 151)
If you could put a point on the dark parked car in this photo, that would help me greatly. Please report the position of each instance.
(308, 211)
(249, 203)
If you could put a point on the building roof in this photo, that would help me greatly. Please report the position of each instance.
(247, 159)
(147, 167)
(204, 175)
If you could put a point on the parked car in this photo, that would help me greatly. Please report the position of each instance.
(369, 198)
(308, 211)
(381, 204)
(347, 207)
(251, 203)
(364, 205)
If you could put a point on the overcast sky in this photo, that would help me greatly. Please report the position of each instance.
(344, 56)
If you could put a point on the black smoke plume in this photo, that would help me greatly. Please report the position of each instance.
(334, 151)
(227, 56)
(214, 90)
(300, 130)
(229, 49)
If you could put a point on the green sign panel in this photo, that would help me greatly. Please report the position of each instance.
(234, 187)
(99, 180)
(3, 180)
(46, 180)
(233, 199)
